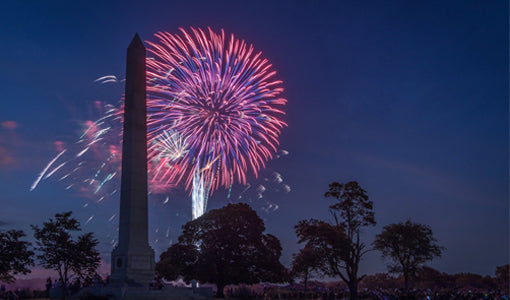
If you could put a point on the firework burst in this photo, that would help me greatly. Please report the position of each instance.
(222, 99)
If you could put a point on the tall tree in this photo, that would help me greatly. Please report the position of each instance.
(408, 245)
(307, 263)
(58, 251)
(224, 246)
(341, 239)
(15, 256)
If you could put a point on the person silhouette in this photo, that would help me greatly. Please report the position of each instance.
(48, 287)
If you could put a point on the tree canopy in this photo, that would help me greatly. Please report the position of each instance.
(340, 240)
(307, 263)
(224, 246)
(15, 255)
(408, 245)
(58, 251)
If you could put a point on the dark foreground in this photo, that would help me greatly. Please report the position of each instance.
(245, 292)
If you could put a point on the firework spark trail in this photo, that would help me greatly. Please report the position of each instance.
(112, 217)
(89, 219)
(108, 177)
(82, 152)
(93, 161)
(106, 79)
(248, 186)
(36, 182)
(54, 170)
(199, 196)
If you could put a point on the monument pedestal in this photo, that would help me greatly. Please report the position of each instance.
(136, 268)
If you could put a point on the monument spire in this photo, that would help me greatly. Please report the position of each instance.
(133, 258)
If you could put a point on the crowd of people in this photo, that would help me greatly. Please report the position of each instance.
(324, 293)
(9, 295)
(289, 292)
(73, 286)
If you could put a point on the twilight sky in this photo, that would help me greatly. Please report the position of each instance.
(409, 99)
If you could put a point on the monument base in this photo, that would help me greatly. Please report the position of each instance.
(135, 268)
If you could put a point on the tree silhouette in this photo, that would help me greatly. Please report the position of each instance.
(431, 278)
(224, 246)
(408, 245)
(306, 263)
(341, 240)
(502, 276)
(70, 258)
(14, 255)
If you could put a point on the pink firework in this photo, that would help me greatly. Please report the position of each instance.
(214, 109)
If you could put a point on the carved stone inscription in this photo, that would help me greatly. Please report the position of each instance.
(140, 262)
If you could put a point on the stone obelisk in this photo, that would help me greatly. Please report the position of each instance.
(133, 258)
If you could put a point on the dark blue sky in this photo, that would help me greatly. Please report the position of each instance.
(409, 99)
